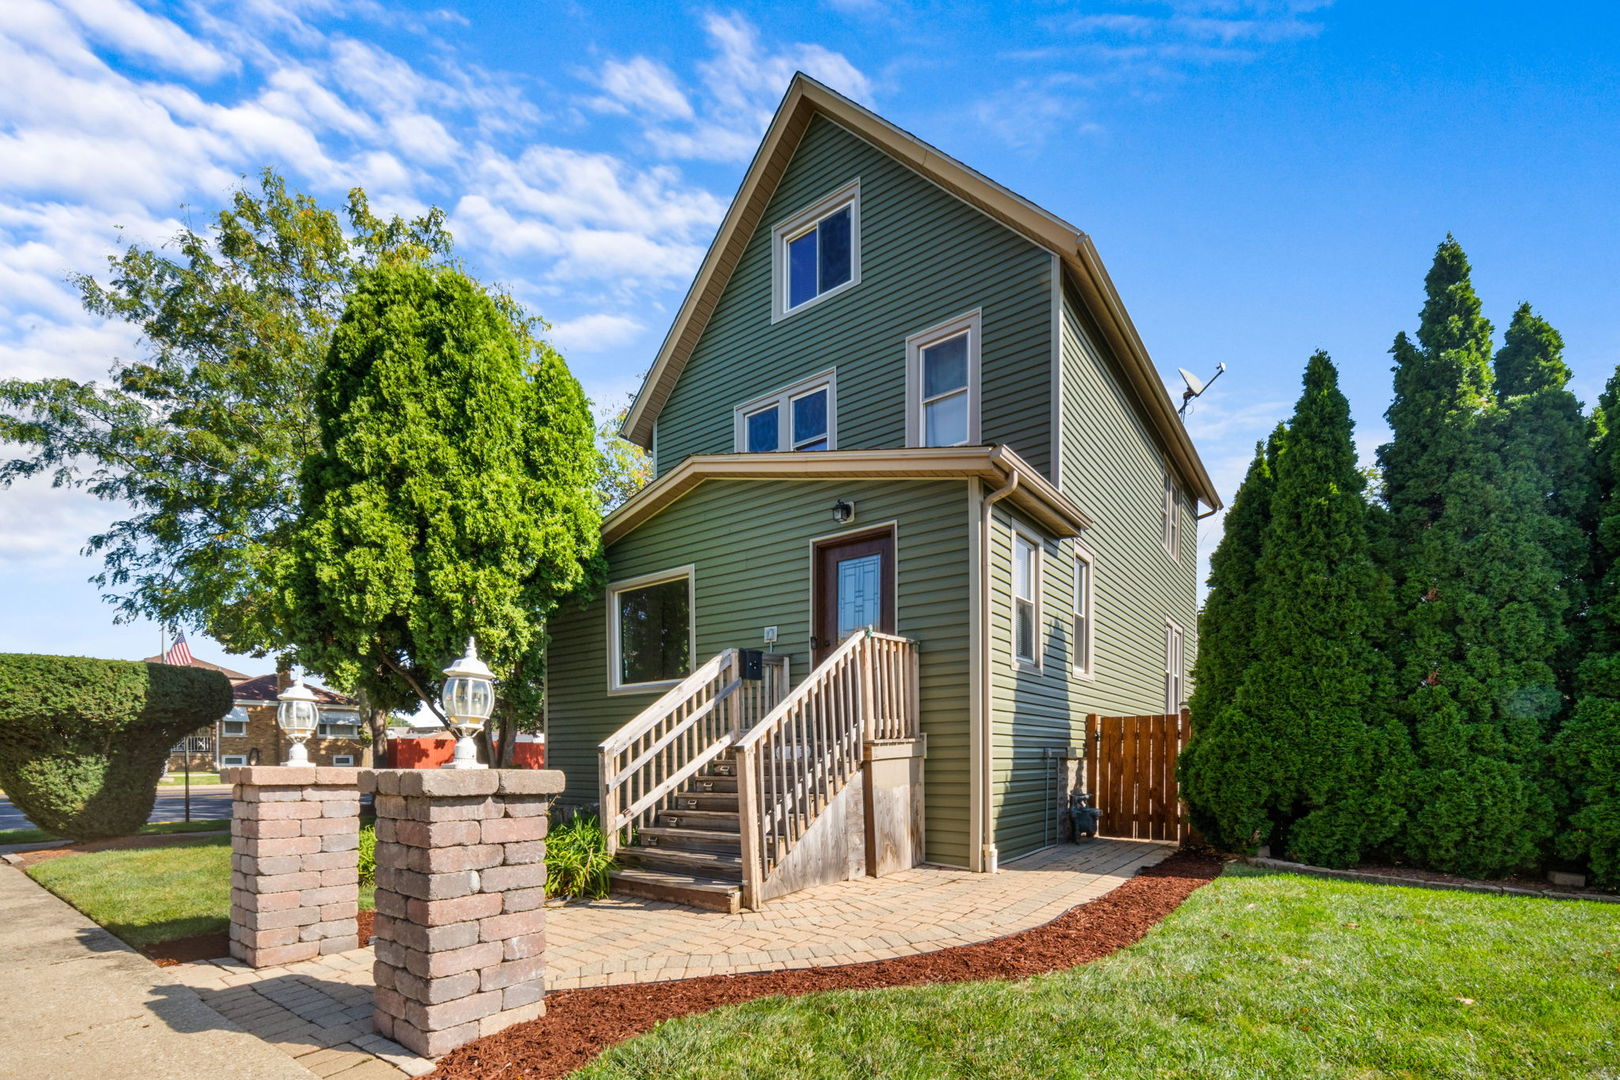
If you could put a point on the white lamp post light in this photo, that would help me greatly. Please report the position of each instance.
(297, 715)
(468, 699)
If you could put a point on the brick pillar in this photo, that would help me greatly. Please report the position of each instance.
(460, 925)
(295, 878)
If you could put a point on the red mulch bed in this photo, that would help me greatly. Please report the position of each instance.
(580, 1024)
(214, 946)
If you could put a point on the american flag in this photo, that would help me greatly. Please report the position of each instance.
(179, 652)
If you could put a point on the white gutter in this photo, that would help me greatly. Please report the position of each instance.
(985, 857)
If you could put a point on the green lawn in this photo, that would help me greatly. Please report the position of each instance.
(179, 779)
(1258, 975)
(29, 836)
(152, 894)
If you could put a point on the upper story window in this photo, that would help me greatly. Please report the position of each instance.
(1172, 518)
(942, 384)
(1026, 598)
(817, 252)
(1084, 624)
(798, 417)
(651, 631)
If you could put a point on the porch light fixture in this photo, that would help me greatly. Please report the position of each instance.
(297, 714)
(843, 511)
(468, 699)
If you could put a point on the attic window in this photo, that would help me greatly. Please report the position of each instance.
(817, 252)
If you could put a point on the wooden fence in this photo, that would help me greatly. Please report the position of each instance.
(1131, 772)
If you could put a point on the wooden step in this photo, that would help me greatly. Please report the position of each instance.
(724, 821)
(666, 838)
(706, 782)
(692, 890)
(705, 801)
(710, 864)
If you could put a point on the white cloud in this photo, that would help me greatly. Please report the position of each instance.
(739, 86)
(645, 86)
(126, 29)
(42, 526)
(594, 333)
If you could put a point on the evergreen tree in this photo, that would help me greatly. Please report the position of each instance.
(1219, 771)
(1588, 746)
(1318, 690)
(452, 494)
(1471, 653)
(1546, 451)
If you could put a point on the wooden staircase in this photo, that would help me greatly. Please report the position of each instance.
(708, 792)
(692, 853)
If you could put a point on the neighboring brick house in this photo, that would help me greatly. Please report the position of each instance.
(249, 735)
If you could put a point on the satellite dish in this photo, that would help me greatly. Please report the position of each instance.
(1195, 387)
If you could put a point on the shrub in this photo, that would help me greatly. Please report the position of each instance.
(577, 861)
(83, 741)
(368, 855)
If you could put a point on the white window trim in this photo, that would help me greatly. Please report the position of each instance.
(225, 731)
(233, 759)
(688, 572)
(1175, 657)
(794, 227)
(343, 760)
(1036, 580)
(1089, 670)
(783, 400)
(1171, 537)
(972, 323)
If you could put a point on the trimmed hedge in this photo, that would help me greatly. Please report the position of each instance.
(83, 741)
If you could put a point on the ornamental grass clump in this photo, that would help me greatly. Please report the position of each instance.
(577, 859)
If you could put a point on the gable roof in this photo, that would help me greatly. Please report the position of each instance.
(1034, 494)
(254, 688)
(1084, 269)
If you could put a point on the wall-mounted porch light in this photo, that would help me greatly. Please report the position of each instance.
(843, 511)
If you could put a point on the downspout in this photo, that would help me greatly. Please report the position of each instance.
(984, 766)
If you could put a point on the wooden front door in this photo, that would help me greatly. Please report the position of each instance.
(854, 589)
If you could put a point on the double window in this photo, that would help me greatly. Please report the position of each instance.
(1083, 629)
(942, 384)
(650, 630)
(800, 417)
(817, 252)
(1175, 670)
(1026, 574)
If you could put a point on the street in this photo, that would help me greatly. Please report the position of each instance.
(213, 801)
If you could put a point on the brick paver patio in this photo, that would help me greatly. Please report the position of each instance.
(319, 1011)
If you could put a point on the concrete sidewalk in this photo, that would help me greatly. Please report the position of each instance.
(79, 1003)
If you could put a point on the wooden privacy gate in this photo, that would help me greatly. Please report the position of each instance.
(1131, 773)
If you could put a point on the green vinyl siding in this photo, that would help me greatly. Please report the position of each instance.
(1112, 465)
(749, 544)
(926, 257)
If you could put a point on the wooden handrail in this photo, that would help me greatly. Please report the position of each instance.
(643, 764)
(802, 753)
(650, 716)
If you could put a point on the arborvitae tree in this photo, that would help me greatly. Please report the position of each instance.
(1318, 691)
(1218, 771)
(452, 495)
(1588, 746)
(1471, 663)
(1546, 452)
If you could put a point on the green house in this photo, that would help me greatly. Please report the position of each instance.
(922, 504)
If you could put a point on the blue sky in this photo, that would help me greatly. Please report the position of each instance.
(1262, 177)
